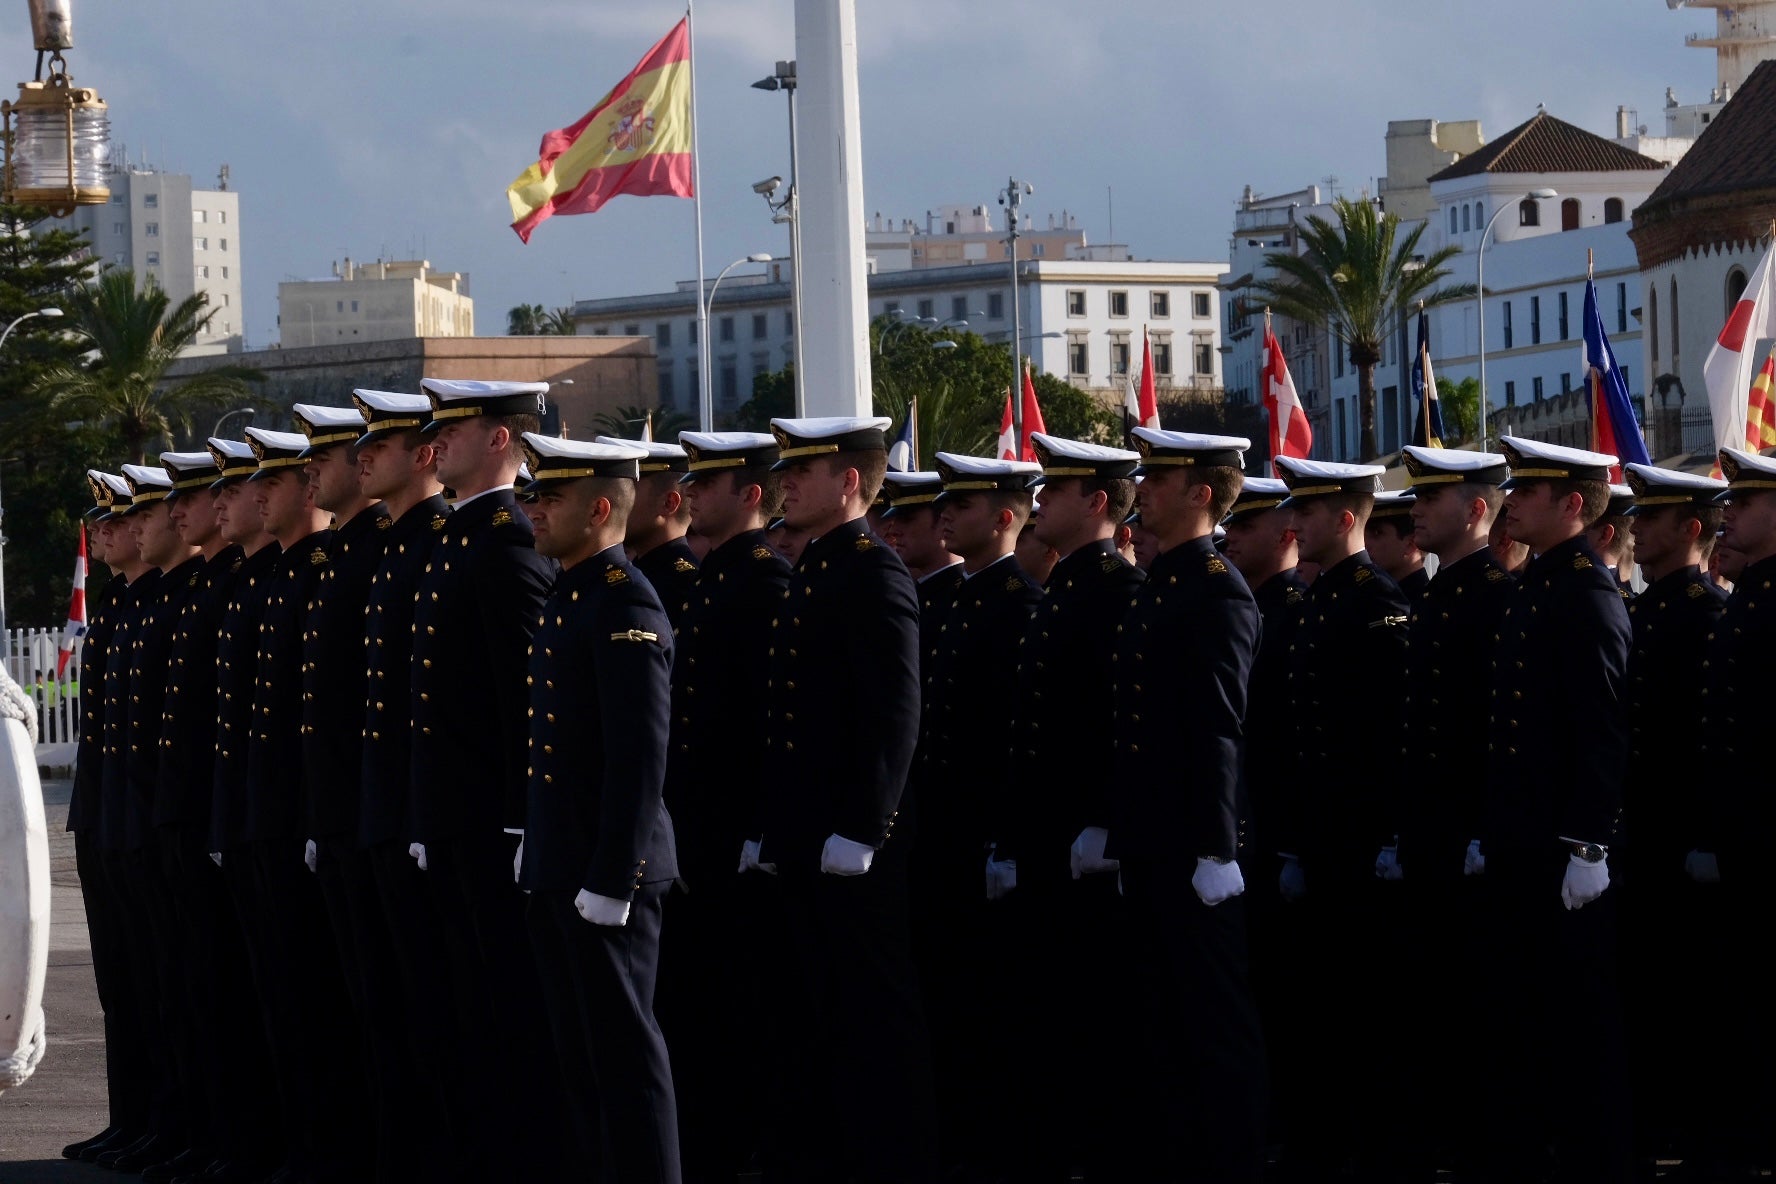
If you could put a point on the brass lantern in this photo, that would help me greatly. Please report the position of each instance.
(58, 135)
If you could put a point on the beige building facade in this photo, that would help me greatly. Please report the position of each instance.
(387, 300)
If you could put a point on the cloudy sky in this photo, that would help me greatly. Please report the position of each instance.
(392, 127)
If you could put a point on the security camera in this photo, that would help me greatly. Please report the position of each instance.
(768, 186)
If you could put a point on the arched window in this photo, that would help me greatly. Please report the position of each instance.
(1480, 216)
(1569, 214)
(1735, 288)
(1451, 219)
(1466, 225)
(1652, 321)
(1612, 209)
(1676, 341)
(1529, 213)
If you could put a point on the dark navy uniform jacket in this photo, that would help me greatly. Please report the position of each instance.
(1414, 585)
(1661, 821)
(1267, 762)
(672, 569)
(188, 734)
(1740, 702)
(968, 704)
(1182, 661)
(237, 658)
(600, 669)
(1347, 688)
(715, 770)
(1448, 700)
(149, 674)
(275, 809)
(1064, 714)
(479, 596)
(101, 622)
(386, 768)
(844, 698)
(332, 688)
(937, 595)
(119, 657)
(1559, 730)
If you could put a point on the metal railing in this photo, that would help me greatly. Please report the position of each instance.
(30, 657)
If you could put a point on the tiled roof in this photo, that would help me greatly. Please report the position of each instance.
(1548, 145)
(1737, 152)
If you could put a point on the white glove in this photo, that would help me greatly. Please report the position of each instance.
(216, 858)
(518, 858)
(1217, 880)
(1702, 867)
(1387, 864)
(308, 856)
(602, 910)
(1001, 877)
(1584, 882)
(1292, 883)
(417, 850)
(1474, 863)
(1087, 856)
(749, 859)
(843, 857)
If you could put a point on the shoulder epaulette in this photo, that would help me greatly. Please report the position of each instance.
(1217, 566)
(614, 575)
(500, 517)
(762, 552)
(317, 557)
(1364, 575)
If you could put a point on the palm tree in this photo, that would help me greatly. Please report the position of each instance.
(1355, 281)
(134, 335)
(626, 423)
(559, 323)
(526, 320)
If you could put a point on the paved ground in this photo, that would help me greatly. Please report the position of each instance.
(65, 1100)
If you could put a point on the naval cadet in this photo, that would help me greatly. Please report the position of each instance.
(1181, 662)
(965, 729)
(1388, 537)
(1457, 496)
(1670, 926)
(714, 791)
(1056, 920)
(598, 857)
(1612, 537)
(1347, 686)
(1737, 811)
(911, 526)
(658, 523)
(844, 699)
(1558, 742)
(478, 600)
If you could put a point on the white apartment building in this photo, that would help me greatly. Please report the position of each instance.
(188, 239)
(388, 300)
(1081, 320)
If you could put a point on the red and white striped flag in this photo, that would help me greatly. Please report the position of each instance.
(1290, 434)
(76, 610)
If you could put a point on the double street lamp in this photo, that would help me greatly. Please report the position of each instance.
(1480, 295)
(704, 389)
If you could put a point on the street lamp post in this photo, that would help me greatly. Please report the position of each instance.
(41, 312)
(706, 398)
(783, 78)
(228, 415)
(1480, 295)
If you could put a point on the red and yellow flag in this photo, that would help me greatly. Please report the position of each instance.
(1760, 414)
(636, 140)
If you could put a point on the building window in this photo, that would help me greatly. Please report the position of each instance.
(339, 306)
(202, 244)
(1343, 417)
(119, 228)
(1119, 304)
(1199, 305)
(1612, 209)
(153, 258)
(150, 201)
(663, 335)
(152, 229)
(925, 307)
(691, 334)
(1529, 213)
(1452, 226)
(1676, 341)
(1337, 350)
(726, 329)
(1622, 308)
(1569, 214)
(224, 273)
(995, 306)
(958, 308)
(789, 322)
(693, 386)
(632, 330)
(1563, 316)
(601, 331)
(1507, 324)
(1159, 305)
(1535, 320)
(203, 272)
(1510, 394)
(1119, 355)
(226, 301)
(1205, 357)
(667, 396)
(1078, 357)
(1536, 385)
(760, 328)
(890, 308)
(224, 244)
(199, 216)
(1735, 289)
(1162, 356)
(730, 383)
(1467, 212)
(1652, 320)
(1566, 383)
(1480, 216)
(354, 306)
(1075, 302)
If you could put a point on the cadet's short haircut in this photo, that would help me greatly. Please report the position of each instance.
(1710, 517)
(658, 483)
(1400, 524)
(518, 425)
(769, 483)
(1491, 494)
(1225, 483)
(1595, 493)
(871, 466)
(410, 439)
(1359, 504)
(619, 490)
(1119, 494)
(1019, 502)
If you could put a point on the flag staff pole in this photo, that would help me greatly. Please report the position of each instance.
(705, 404)
(913, 414)
(1424, 372)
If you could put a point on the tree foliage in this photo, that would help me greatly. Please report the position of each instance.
(626, 423)
(1357, 279)
(533, 320)
(1460, 404)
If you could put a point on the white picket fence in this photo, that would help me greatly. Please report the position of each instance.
(30, 656)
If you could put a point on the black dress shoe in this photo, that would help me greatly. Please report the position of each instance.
(115, 1142)
(185, 1163)
(150, 1151)
(73, 1150)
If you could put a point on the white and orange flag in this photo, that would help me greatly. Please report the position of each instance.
(636, 140)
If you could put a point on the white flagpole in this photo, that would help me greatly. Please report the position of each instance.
(705, 403)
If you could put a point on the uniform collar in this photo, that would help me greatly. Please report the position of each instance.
(475, 510)
(740, 547)
(1086, 556)
(1676, 579)
(1009, 555)
(1561, 554)
(835, 539)
(364, 521)
(948, 570)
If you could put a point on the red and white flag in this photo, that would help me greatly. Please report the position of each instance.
(76, 628)
(1732, 363)
(1290, 433)
(1145, 411)
(1032, 423)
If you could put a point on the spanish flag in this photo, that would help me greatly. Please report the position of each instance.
(636, 140)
